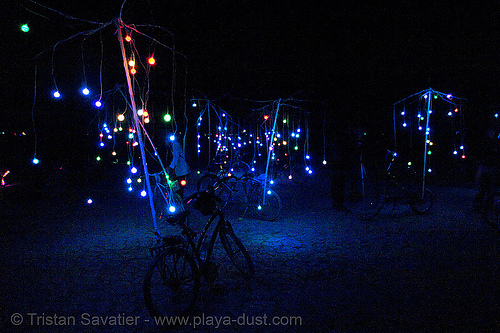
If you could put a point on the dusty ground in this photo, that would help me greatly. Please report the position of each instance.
(316, 270)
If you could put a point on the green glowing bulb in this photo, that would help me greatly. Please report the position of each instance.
(296, 147)
(167, 118)
(98, 158)
(429, 152)
(25, 27)
(128, 162)
(284, 121)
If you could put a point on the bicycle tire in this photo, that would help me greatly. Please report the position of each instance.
(207, 182)
(236, 251)
(268, 209)
(491, 210)
(172, 283)
(422, 205)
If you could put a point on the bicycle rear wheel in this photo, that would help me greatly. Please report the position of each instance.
(172, 283)
(207, 182)
(236, 251)
(421, 205)
(491, 210)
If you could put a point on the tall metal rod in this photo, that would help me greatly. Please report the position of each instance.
(429, 111)
(120, 25)
(269, 151)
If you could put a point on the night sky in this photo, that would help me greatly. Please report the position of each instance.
(358, 56)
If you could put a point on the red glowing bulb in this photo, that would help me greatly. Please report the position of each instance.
(266, 117)
(133, 71)
(183, 182)
(128, 38)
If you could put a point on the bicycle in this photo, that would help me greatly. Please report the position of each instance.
(298, 174)
(401, 185)
(237, 168)
(249, 192)
(172, 283)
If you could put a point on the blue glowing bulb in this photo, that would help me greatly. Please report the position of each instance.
(402, 113)
(455, 152)
(133, 170)
(143, 193)
(450, 113)
(129, 181)
(271, 182)
(259, 207)
(298, 130)
(98, 104)
(462, 147)
(101, 144)
(35, 160)
(308, 157)
(171, 209)
(89, 201)
(404, 125)
(85, 91)
(130, 188)
(172, 138)
(57, 94)
(110, 137)
(309, 171)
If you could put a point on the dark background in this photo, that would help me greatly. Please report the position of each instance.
(356, 57)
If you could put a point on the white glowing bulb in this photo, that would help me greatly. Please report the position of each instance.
(85, 91)
(171, 209)
(143, 193)
(133, 170)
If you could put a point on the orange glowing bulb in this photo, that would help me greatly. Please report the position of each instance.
(183, 182)
(133, 71)
(128, 38)
(151, 60)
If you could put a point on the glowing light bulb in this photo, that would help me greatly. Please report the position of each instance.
(167, 118)
(133, 170)
(129, 181)
(140, 112)
(57, 94)
(85, 91)
(171, 209)
(151, 60)
(266, 117)
(128, 38)
(25, 28)
(98, 104)
(130, 188)
(259, 207)
(131, 63)
(450, 113)
(133, 71)
(194, 104)
(35, 160)
(462, 147)
(308, 157)
(121, 117)
(172, 138)
(405, 124)
(271, 182)
(143, 193)
(98, 158)
(183, 182)
(455, 152)
(89, 201)
(324, 162)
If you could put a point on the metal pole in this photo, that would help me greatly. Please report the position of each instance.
(120, 24)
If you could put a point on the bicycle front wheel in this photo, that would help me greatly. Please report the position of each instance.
(421, 205)
(236, 251)
(172, 283)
